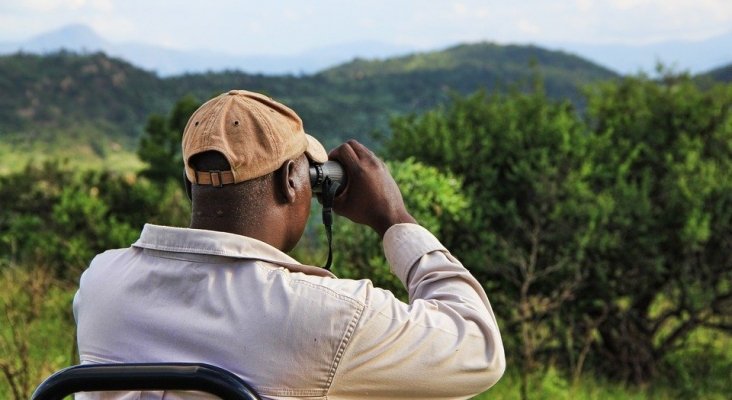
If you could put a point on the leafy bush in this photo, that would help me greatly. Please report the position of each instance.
(36, 329)
(61, 218)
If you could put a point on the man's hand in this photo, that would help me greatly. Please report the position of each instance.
(371, 197)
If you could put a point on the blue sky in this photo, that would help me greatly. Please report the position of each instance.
(292, 26)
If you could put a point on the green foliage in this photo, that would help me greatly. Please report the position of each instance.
(603, 241)
(702, 367)
(664, 155)
(523, 161)
(553, 385)
(36, 329)
(60, 218)
(160, 146)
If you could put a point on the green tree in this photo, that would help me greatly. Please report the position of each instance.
(663, 157)
(603, 241)
(160, 145)
(523, 160)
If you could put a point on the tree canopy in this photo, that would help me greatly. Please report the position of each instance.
(602, 237)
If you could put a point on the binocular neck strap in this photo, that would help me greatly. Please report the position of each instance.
(329, 190)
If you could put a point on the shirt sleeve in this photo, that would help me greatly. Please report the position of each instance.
(444, 344)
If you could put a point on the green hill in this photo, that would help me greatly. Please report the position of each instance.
(721, 74)
(420, 81)
(497, 63)
(92, 105)
(81, 107)
(66, 90)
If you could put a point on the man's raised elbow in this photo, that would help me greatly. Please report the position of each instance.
(495, 367)
(487, 376)
(498, 367)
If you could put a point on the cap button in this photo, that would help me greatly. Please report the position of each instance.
(233, 92)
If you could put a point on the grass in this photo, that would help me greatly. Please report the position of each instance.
(552, 385)
(82, 149)
(701, 369)
(36, 329)
(82, 157)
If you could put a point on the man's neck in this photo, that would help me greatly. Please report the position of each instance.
(261, 227)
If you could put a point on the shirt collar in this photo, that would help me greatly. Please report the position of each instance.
(199, 241)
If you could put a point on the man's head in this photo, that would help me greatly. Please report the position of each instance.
(246, 158)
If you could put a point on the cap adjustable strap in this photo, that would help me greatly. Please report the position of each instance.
(329, 190)
(214, 178)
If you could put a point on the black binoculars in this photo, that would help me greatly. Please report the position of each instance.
(330, 170)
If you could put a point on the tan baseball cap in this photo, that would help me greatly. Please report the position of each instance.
(255, 133)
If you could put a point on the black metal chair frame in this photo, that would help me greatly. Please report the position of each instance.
(157, 376)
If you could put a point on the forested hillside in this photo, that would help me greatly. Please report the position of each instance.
(65, 90)
(89, 108)
(494, 66)
(105, 101)
(721, 74)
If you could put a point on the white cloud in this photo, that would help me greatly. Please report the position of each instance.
(291, 14)
(624, 21)
(626, 4)
(50, 5)
(526, 26)
(102, 5)
(709, 8)
(46, 6)
(584, 5)
(289, 26)
(460, 8)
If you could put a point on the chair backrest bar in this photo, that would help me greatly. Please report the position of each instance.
(159, 376)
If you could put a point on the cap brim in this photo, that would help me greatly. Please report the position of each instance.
(315, 151)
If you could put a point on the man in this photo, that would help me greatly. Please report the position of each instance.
(224, 292)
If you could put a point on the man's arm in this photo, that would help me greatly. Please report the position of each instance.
(445, 343)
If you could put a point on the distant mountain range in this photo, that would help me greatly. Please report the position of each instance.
(721, 74)
(693, 56)
(166, 62)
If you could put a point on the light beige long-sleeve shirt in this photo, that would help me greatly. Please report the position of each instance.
(289, 330)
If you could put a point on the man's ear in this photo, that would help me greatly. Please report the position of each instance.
(187, 185)
(288, 182)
